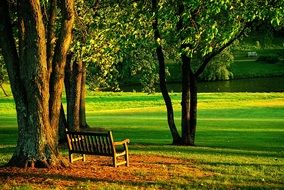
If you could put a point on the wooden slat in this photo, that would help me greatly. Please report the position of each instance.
(88, 143)
(103, 145)
(97, 144)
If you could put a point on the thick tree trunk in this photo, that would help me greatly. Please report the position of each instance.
(36, 144)
(37, 103)
(162, 78)
(185, 106)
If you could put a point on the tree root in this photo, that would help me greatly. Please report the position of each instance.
(38, 163)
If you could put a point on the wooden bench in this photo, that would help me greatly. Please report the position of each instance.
(97, 143)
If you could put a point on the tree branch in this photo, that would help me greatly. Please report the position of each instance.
(210, 56)
(59, 60)
(51, 33)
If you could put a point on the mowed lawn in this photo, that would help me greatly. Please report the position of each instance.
(239, 140)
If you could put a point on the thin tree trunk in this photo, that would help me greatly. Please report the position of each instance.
(50, 42)
(75, 93)
(59, 61)
(185, 116)
(76, 88)
(167, 99)
(62, 126)
(162, 78)
(67, 83)
(193, 108)
(83, 121)
(73, 90)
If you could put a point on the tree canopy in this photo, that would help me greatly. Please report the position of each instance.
(198, 31)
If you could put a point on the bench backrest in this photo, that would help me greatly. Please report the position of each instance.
(97, 143)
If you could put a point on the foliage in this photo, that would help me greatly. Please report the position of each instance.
(116, 44)
(270, 59)
(219, 67)
(199, 31)
(3, 71)
(206, 27)
(3, 74)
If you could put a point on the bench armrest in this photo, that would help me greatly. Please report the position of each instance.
(125, 141)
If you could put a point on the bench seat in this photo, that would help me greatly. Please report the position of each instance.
(97, 143)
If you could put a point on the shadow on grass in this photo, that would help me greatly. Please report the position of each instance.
(8, 136)
(7, 150)
(46, 178)
(158, 141)
(53, 179)
(72, 181)
(171, 149)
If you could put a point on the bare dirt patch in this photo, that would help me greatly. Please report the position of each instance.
(144, 170)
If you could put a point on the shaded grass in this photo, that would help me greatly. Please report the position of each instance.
(239, 137)
(252, 69)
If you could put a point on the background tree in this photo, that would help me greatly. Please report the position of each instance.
(219, 67)
(109, 46)
(3, 74)
(118, 45)
(198, 31)
(75, 71)
(36, 74)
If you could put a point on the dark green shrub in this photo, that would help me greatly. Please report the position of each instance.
(270, 59)
(219, 67)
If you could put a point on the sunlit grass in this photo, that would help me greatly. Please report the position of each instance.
(240, 137)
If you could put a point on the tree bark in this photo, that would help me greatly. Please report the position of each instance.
(36, 100)
(62, 126)
(73, 105)
(75, 94)
(193, 108)
(83, 121)
(185, 106)
(35, 144)
(50, 42)
(59, 61)
(162, 79)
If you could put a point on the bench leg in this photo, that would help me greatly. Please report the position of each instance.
(70, 158)
(126, 159)
(114, 161)
(126, 155)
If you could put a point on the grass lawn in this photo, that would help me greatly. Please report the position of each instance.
(250, 69)
(240, 144)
